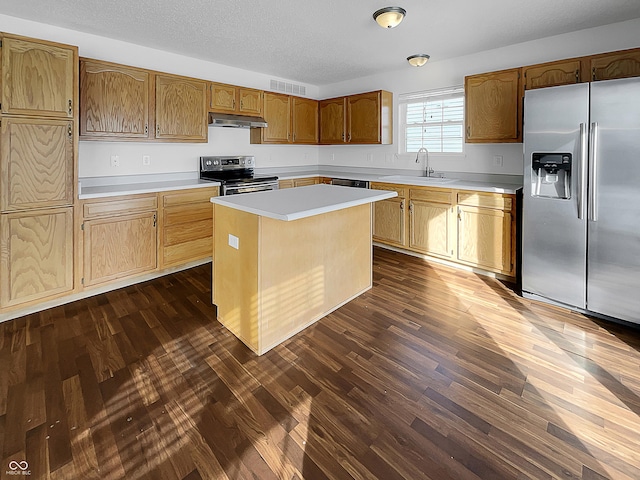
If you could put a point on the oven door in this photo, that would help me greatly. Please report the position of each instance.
(235, 189)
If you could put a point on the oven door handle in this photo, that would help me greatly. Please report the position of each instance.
(252, 187)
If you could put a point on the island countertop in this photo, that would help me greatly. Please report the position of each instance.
(302, 202)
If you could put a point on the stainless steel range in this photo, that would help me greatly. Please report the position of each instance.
(235, 175)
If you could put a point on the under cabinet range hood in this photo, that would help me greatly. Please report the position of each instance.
(235, 121)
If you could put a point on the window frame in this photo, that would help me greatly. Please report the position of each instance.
(420, 97)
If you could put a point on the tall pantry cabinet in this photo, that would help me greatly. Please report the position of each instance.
(38, 176)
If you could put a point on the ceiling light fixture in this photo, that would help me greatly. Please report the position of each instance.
(418, 60)
(389, 17)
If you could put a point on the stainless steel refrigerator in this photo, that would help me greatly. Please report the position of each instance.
(581, 197)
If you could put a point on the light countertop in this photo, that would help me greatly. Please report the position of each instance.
(296, 203)
(114, 186)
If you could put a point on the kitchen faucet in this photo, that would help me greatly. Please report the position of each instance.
(427, 171)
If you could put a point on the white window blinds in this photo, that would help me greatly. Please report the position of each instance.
(433, 120)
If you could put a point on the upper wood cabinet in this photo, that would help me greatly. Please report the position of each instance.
(38, 77)
(304, 118)
(333, 115)
(552, 74)
(181, 109)
(612, 65)
(493, 107)
(114, 100)
(366, 118)
(36, 163)
(232, 99)
(277, 112)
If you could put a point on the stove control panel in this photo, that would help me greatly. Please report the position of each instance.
(208, 164)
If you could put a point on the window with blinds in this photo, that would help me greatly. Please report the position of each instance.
(433, 120)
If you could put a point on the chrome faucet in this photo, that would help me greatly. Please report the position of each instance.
(427, 171)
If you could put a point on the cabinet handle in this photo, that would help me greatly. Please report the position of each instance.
(459, 216)
(593, 73)
(578, 76)
(233, 103)
(349, 138)
(157, 130)
(294, 137)
(146, 129)
(342, 136)
(70, 131)
(241, 105)
(468, 131)
(70, 107)
(402, 205)
(410, 207)
(154, 219)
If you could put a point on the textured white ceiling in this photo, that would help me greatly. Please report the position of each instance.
(322, 41)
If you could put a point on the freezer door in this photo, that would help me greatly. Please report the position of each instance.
(554, 237)
(613, 269)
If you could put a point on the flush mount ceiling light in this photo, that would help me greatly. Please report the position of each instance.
(418, 60)
(389, 17)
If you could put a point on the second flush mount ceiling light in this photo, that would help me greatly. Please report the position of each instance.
(390, 17)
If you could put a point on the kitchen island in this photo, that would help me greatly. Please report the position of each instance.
(283, 259)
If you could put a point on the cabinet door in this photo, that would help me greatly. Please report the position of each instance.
(250, 101)
(492, 104)
(616, 65)
(389, 221)
(552, 74)
(303, 182)
(285, 183)
(117, 247)
(36, 163)
(181, 112)
(484, 238)
(363, 118)
(223, 98)
(114, 100)
(38, 78)
(430, 228)
(37, 255)
(305, 120)
(277, 114)
(332, 120)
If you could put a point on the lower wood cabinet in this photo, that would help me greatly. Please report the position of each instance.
(300, 182)
(37, 256)
(486, 231)
(119, 238)
(390, 217)
(467, 227)
(186, 226)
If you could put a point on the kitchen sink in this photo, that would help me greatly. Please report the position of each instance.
(417, 180)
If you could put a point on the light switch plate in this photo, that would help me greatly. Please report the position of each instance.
(234, 242)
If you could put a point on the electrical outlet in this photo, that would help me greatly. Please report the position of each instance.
(234, 242)
(497, 160)
(146, 160)
(115, 161)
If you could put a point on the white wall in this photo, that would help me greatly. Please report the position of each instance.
(94, 157)
(446, 73)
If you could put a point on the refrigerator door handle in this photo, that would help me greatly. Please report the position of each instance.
(582, 181)
(593, 174)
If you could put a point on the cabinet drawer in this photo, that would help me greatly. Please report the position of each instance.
(189, 196)
(119, 206)
(488, 200)
(181, 214)
(431, 195)
(401, 190)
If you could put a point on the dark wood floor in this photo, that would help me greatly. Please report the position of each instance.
(434, 374)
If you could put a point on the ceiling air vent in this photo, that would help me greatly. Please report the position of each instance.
(285, 87)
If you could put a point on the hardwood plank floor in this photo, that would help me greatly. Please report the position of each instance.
(434, 373)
